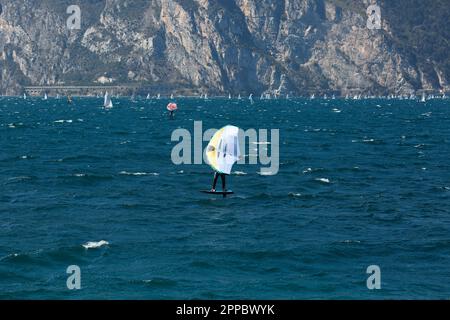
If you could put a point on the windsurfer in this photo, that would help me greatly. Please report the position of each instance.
(172, 107)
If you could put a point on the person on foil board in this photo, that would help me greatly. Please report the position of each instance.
(172, 107)
(222, 153)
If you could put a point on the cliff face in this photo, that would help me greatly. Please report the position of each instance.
(221, 46)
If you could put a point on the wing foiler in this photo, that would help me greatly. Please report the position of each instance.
(223, 149)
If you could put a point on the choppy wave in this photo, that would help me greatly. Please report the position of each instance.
(19, 179)
(160, 282)
(95, 245)
(295, 195)
(323, 180)
(126, 173)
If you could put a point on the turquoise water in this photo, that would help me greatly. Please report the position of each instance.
(360, 183)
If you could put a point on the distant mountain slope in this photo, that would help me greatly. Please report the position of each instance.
(221, 46)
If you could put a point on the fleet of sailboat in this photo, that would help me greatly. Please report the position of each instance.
(423, 97)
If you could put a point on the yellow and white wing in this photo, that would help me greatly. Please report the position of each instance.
(223, 149)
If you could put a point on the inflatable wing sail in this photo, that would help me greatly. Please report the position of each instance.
(223, 149)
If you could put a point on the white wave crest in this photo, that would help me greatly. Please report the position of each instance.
(126, 173)
(94, 245)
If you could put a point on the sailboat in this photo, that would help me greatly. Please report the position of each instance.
(229, 96)
(108, 102)
(239, 97)
(24, 96)
(171, 96)
(424, 99)
(45, 96)
(158, 96)
(148, 96)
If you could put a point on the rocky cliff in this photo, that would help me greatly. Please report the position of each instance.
(221, 46)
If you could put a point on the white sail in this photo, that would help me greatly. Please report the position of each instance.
(424, 99)
(148, 96)
(108, 102)
(223, 149)
(24, 96)
(45, 97)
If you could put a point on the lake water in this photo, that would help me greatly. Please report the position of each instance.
(360, 183)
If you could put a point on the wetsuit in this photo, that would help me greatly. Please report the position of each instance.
(216, 177)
